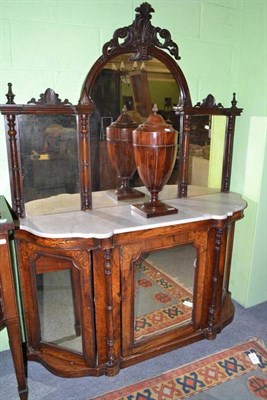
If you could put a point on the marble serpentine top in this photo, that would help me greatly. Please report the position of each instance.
(104, 222)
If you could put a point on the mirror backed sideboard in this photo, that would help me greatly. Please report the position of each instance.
(103, 284)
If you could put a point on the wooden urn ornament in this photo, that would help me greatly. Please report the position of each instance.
(120, 151)
(155, 149)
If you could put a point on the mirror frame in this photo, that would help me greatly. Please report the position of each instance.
(48, 104)
(208, 107)
(144, 41)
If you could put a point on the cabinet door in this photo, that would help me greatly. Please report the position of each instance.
(162, 291)
(58, 304)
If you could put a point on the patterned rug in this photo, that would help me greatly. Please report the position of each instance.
(237, 373)
(160, 301)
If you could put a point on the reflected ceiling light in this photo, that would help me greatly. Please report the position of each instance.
(124, 70)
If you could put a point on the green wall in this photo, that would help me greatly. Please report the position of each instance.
(222, 43)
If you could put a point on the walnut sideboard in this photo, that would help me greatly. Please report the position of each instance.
(80, 293)
(102, 287)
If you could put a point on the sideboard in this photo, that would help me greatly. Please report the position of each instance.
(104, 286)
(86, 322)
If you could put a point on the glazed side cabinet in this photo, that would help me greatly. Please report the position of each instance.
(102, 288)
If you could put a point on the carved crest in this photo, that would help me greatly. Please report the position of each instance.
(49, 97)
(141, 35)
(209, 101)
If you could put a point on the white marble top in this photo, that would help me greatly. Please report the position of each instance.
(106, 221)
(71, 202)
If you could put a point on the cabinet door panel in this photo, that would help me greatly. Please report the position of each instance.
(163, 290)
(58, 323)
(165, 293)
(58, 299)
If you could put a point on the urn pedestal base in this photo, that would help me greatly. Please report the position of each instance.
(154, 209)
(123, 193)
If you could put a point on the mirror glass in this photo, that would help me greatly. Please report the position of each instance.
(206, 151)
(56, 310)
(138, 86)
(48, 150)
(164, 281)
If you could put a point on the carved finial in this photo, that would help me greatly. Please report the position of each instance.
(144, 10)
(124, 109)
(234, 102)
(155, 109)
(10, 95)
(84, 98)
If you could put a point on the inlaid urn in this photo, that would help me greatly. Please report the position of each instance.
(120, 151)
(155, 149)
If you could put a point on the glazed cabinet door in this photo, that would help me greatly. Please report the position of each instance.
(164, 303)
(57, 292)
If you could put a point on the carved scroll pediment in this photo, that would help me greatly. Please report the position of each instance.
(49, 97)
(141, 36)
(210, 102)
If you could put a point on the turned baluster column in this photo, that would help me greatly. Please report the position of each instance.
(211, 333)
(84, 109)
(227, 163)
(229, 143)
(85, 172)
(109, 308)
(184, 155)
(18, 203)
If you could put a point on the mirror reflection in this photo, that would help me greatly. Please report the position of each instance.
(164, 281)
(206, 151)
(138, 86)
(49, 148)
(56, 310)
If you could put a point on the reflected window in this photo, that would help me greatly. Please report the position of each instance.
(199, 150)
(163, 296)
(206, 151)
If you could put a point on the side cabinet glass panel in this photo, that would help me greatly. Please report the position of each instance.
(163, 290)
(56, 310)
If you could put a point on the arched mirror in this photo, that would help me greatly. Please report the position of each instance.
(136, 85)
(135, 74)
